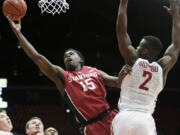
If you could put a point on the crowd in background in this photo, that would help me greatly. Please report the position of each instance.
(34, 126)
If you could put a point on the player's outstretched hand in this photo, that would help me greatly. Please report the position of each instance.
(174, 8)
(16, 27)
(126, 69)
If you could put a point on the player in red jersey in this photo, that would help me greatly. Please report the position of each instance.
(81, 86)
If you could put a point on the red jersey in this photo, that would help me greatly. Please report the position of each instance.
(86, 92)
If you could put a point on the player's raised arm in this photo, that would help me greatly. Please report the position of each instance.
(172, 52)
(124, 42)
(55, 73)
(113, 81)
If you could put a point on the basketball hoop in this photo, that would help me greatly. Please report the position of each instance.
(53, 6)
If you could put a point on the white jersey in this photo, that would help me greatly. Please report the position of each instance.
(5, 133)
(140, 89)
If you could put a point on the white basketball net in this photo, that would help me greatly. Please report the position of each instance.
(53, 6)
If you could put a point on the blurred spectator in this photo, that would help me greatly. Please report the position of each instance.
(34, 126)
(5, 124)
(51, 131)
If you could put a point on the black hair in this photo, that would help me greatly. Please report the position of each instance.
(154, 43)
(79, 53)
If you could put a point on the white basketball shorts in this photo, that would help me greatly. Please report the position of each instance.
(133, 123)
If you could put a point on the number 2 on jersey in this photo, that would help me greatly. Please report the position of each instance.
(87, 84)
(148, 76)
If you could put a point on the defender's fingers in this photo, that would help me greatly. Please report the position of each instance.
(9, 19)
(166, 8)
(19, 21)
(129, 68)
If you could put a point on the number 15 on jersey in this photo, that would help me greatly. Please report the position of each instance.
(87, 85)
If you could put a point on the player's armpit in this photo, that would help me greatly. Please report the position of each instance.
(126, 49)
(60, 85)
(52, 71)
(167, 62)
(169, 59)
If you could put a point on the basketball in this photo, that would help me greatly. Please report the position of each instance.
(15, 9)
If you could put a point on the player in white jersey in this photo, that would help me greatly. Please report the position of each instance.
(140, 89)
